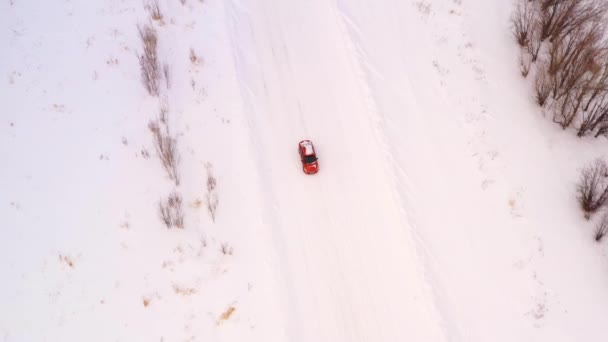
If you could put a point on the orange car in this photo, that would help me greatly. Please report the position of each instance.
(310, 164)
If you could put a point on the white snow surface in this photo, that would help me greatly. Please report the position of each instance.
(445, 208)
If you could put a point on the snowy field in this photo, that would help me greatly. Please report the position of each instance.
(444, 209)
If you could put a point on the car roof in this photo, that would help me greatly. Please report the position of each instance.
(308, 149)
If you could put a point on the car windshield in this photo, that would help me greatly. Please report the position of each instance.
(310, 159)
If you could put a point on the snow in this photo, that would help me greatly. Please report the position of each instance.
(308, 149)
(454, 219)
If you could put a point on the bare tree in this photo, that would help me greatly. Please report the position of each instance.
(593, 187)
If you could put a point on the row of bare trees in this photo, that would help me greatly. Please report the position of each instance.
(566, 43)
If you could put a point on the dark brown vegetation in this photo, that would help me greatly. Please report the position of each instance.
(593, 187)
(566, 41)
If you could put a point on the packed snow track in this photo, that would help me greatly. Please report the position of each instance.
(349, 262)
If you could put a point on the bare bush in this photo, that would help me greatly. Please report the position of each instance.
(594, 118)
(163, 113)
(211, 196)
(524, 64)
(573, 57)
(166, 74)
(593, 187)
(599, 87)
(148, 61)
(564, 110)
(535, 41)
(170, 211)
(226, 249)
(561, 17)
(166, 149)
(602, 228)
(573, 70)
(542, 86)
(194, 58)
(154, 10)
(557, 15)
(522, 21)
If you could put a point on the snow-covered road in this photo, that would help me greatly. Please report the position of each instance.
(349, 260)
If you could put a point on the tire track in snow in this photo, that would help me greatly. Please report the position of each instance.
(363, 68)
(236, 12)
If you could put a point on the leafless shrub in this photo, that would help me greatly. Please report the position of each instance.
(572, 58)
(154, 10)
(602, 228)
(148, 61)
(542, 86)
(593, 187)
(573, 69)
(564, 110)
(555, 16)
(595, 117)
(226, 249)
(599, 82)
(202, 245)
(534, 42)
(524, 64)
(194, 59)
(561, 17)
(163, 113)
(522, 21)
(166, 148)
(211, 195)
(170, 211)
(166, 74)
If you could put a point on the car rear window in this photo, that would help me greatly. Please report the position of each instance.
(310, 159)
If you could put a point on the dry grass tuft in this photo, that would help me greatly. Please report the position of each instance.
(183, 291)
(226, 249)
(154, 10)
(226, 314)
(148, 61)
(170, 211)
(166, 147)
